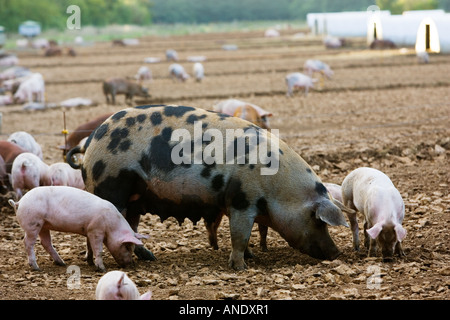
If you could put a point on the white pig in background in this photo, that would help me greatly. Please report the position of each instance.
(171, 55)
(372, 193)
(116, 285)
(177, 71)
(311, 66)
(335, 190)
(5, 100)
(34, 85)
(299, 80)
(199, 71)
(143, 74)
(26, 141)
(62, 174)
(28, 171)
(68, 209)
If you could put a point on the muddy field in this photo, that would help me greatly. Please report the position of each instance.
(382, 109)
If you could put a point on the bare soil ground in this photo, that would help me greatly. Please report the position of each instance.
(382, 109)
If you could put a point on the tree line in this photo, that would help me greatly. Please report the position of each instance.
(52, 14)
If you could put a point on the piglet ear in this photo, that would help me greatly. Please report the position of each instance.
(140, 236)
(146, 296)
(374, 231)
(132, 239)
(400, 232)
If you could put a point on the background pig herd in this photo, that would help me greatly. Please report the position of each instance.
(126, 188)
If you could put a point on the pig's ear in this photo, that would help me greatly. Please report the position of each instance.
(140, 236)
(400, 232)
(146, 296)
(132, 239)
(329, 213)
(374, 231)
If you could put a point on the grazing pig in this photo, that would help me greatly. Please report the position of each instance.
(298, 80)
(14, 72)
(115, 285)
(136, 160)
(382, 44)
(68, 209)
(28, 172)
(53, 52)
(311, 66)
(9, 151)
(373, 194)
(61, 174)
(171, 55)
(143, 74)
(247, 112)
(230, 106)
(121, 86)
(199, 71)
(33, 85)
(8, 60)
(177, 72)
(82, 131)
(5, 100)
(27, 142)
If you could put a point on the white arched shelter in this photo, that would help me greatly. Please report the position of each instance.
(433, 34)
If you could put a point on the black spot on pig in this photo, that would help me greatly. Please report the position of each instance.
(320, 189)
(141, 118)
(101, 131)
(156, 118)
(144, 162)
(116, 140)
(217, 182)
(118, 115)
(178, 111)
(237, 195)
(308, 170)
(144, 107)
(130, 121)
(98, 169)
(193, 117)
(261, 204)
(125, 145)
(161, 151)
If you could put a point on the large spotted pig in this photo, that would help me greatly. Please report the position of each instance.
(129, 160)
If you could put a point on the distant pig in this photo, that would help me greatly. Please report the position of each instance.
(199, 71)
(9, 151)
(115, 285)
(27, 142)
(230, 106)
(382, 44)
(28, 172)
(143, 74)
(311, 66)
(298, 80)
(5, 100)
(61, 174)
(247, 112)
(177, 72)
(121, 86)
(171, 55)
(30, 90)
(372, 193)
(68, 209)
(82, 131)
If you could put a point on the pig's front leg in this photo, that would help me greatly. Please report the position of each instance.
(96, 243)
(241, 223)
(133, 216)
(399, 249)
(46, 242)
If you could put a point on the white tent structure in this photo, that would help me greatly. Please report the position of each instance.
(341, 24)
(400, 29)
(433, 34)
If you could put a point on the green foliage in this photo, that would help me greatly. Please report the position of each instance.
(52, 14)
(398, 6)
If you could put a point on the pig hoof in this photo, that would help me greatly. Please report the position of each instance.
(100, 269)
(144, 254)
(388, 259)
(60, 263)
(248, 254)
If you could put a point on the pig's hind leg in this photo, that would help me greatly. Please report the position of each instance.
(46, 242)
(29, 241)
